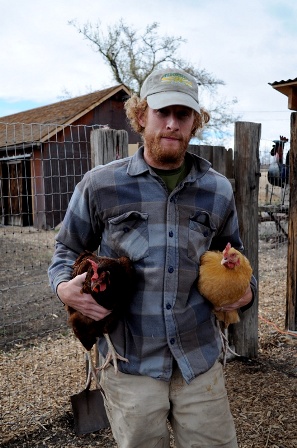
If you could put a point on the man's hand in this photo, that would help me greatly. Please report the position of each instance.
(244, 300)
(69, 293)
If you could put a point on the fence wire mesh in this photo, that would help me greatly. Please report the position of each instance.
(39, 167)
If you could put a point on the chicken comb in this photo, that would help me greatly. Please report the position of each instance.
(227, 248)
(94, 267)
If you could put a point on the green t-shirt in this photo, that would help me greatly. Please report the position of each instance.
(172, 177)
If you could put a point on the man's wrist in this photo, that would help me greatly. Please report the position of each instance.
(60, 285)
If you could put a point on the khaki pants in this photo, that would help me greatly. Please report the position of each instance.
(138, 408)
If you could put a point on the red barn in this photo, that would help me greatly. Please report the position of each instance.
(44, 152)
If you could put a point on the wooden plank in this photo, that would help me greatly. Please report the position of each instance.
(291, 297)
(229, 164)
(15, 189)
(204, 151)
(244, 335)
(219, 159)
(108, 145)
(271, 208)
(292, 99)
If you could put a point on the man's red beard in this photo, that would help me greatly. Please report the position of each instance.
(162, 155)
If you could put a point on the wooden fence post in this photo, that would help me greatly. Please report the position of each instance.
(291, 314)
(108, 145)
(244, 335)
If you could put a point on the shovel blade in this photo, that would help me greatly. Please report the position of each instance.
(88, 412)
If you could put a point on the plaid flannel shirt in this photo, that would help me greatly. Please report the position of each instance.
(124, 208)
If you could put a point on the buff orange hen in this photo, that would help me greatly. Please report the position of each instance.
(223, 279)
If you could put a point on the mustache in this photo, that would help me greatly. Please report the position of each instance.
(171, 135)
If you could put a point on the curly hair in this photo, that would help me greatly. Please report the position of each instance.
(135, 106)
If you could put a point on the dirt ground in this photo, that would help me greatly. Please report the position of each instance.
(39, 376)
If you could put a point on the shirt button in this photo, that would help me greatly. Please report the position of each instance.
(126, 229)
(171, 234)
(168, 306)
(170, 269)
(172, 341)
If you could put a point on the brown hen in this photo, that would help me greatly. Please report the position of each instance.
(110, 282)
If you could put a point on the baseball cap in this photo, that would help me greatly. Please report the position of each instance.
(168, 87)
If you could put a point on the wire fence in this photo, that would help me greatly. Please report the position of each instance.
(39, 167)
(38, 352)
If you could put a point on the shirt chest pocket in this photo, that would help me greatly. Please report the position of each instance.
(127, 235)
(201, 232)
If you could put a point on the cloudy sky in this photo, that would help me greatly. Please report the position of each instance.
(246, 44)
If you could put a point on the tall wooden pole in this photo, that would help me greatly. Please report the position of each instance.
(291, 314)
(244, 335)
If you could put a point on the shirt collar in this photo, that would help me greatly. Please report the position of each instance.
(138, 165)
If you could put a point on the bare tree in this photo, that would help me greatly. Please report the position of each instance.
(132, 55)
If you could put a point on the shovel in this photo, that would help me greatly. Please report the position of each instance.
(88, 406)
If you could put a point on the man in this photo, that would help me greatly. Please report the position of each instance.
(163, 208)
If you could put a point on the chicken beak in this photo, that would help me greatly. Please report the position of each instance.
(98, 286)
(101, 283)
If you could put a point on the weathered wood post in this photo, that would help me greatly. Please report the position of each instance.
(220, 157)
(244, 335)
(291, 313)
(108, 145)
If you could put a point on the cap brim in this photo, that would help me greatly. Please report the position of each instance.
(164, 99)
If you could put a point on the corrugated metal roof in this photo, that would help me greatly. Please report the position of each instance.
(278, 83)
(288, 88)
(56, 116)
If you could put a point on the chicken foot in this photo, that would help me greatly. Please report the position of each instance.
(112, 355)
(92, 372)
(225, 343)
